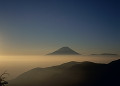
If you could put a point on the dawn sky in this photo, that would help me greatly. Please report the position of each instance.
(42, 26)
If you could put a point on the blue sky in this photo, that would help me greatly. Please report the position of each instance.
(41, 26)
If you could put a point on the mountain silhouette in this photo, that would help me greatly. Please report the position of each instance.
(64, 51)
(72, 74)
(106, 54)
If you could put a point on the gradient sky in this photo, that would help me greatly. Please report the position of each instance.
(42, 26)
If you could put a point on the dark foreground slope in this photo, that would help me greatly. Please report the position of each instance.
(72, 74)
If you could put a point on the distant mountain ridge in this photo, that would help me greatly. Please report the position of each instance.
(106, 54)
(64, 51)
(72, 74)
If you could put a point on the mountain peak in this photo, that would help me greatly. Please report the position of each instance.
(64, 51)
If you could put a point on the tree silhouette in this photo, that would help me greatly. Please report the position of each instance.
(2, 79)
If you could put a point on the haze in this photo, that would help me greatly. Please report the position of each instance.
(16, 65)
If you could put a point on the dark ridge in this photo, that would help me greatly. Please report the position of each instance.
(106, 54)
(116, 62)
(72, 74)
